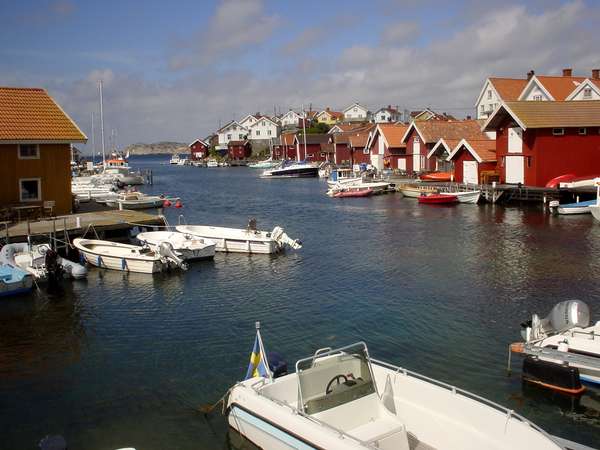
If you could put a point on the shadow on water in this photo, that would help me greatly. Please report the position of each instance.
(125, 359)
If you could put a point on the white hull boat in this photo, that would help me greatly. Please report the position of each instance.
(174, 159)
(416, 191)
(128, 258)
(14, 281)
(125, 176)
(294, 170)
(137, 200)
(32, 259)
(465, 196)
(212, 163)
(572, 208)
(239, 240)
(343, 399)
(186, 246)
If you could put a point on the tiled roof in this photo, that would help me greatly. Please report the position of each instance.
(354, 126)
(548, 114)
(509, 89)
(433, 130)
(30, 114)
(393, 134)
(559, 87)
(485, 148)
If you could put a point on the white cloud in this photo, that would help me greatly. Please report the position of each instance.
(400, 33)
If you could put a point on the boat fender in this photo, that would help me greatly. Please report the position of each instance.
(558, 377)
(124, 264)
(178, 204)
(99, 261)
(166, 203)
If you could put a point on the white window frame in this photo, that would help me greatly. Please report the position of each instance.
(537, 98)
(587, 92)
(558, 131)
(582, 131)
(37, 151)
(257, 132)
(39, 196)
(229, 137)
(489, 94)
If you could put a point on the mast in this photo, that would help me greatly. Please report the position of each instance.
(102, 125)
(303, 131)
(93, 142)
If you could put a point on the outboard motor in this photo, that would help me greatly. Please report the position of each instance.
(564, 316)
(282, 239)
(165, 249)
(277, 365)
(54, 270)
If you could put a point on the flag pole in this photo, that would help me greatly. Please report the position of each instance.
(263, 355)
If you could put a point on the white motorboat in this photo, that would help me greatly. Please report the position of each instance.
(344, 399)
(571, 208)
(125, 176)
(128, 258)
(415, 191)
(32, 259)
(595, 208)
(212, 163)
(137, 200)
(342, 176)
(465, 196)
(377, 187)
(292, 170)
(565, 338)
(186, 246)
(174, 159)
(239, 240)
(14, 280)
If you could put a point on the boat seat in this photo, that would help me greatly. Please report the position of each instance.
(383, 433)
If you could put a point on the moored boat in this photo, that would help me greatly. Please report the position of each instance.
(266, 164)
(14, 281)
(438, 199)
(292, 170)
(577, 182)
(186, 246)
(351, 192)
(555, 182)
(239, 240)
(212, 163)
(128, 258)
(34, 259)
(138, 200)
(344, 399)
(465, 196)
(415, 191)
(437, 176)
(174, 159)
(572, 208)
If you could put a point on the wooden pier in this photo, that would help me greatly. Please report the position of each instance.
(90, 224)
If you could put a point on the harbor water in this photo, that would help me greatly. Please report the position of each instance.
(125, 360)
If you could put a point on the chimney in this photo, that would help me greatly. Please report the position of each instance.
(530, 74)
(389, 106)
(327, 109)
(567, 72)
(595, 74)
(468, 117)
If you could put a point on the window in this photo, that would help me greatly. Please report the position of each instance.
(234, 128)
(258, 132)
(583, 131)
(489, 95)
(558, 131)
(240, 136)
(30, 189)
(228, 137)
(482, 108)
(587, 92)
(322, 155)
(263, 123)
(355, 109)
(29, 151)
(268, 132)
(417, 140)
(537, 98)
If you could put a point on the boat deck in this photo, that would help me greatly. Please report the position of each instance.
(98, 221)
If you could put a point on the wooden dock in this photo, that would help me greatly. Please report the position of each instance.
(89, 224)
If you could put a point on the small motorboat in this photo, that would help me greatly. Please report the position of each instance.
(14, 281)
(555, 182)
(128, 258)
(343, 176)
(138, 200)
(437, 199)
(239, 240)
(174, 159)
(186, 246)
(415, 191)
(292, 170)
(342, 399)
(465, 196)
(34, 260)
(572, 208)
(212, 163)
(437, 176)
(352, 192)
(561, 349)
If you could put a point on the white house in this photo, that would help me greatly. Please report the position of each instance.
(249, 120)
(290, 119)
(263, 128)
(495, 91)
(356, 112)
(233, 131)
(588, 89)
(386, 115)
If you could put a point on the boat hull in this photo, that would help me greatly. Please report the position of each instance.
(465, 197)
(232, 240)
(595, 210)
(14, 281)
(292, 172)
(438, 199)
(414, 191)
(437, 176)
(98, 253)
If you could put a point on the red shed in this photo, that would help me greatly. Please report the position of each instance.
(285, 149)
(239, 149)
(538, 141)
(198, 149)
(317, 148)
(471, 157)
(386, 147)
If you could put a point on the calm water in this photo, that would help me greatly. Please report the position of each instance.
(123, 359)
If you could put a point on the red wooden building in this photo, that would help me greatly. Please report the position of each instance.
(386, 148)
(317, 147)
(538, 141)
(238, 150)
(285, 149)
(351, 146)
(198, 149)
(472, 157)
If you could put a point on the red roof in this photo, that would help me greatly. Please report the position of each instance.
(509, 89)
(560, 87)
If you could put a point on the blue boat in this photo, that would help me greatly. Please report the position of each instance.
(576, 208)
(14, 281)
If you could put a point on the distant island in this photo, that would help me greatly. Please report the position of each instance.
(157, 148)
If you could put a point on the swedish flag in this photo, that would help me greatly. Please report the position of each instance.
(257, 366)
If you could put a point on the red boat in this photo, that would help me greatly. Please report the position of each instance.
(355, 193)
(437, 176)
(437, 199)
(555, 182)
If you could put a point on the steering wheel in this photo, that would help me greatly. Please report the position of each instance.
(329, 388)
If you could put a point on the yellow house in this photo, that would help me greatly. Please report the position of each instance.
(329, 117)
(35, 150)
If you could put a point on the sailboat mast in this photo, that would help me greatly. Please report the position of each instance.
(93, 141)
(102, 125)
(303, 131)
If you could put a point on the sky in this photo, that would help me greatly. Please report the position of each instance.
(176, 71)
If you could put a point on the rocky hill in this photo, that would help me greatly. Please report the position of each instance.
(157, 148)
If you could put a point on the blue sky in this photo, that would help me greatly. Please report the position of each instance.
(175, 70)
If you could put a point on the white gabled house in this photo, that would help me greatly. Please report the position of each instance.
(263, 128)
(386, 115)
(249, 120)
(495, 91)
(588, 89)
(290, 119)
(357, 112)
(233, 131)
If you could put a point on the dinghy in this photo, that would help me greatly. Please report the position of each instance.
(344, 399)
(14, 281)
(239, 240)
(465, 196)
(437, 176)
(128, 258)
(437, 199)
(138, 200)
(351, 192)
(32, 259)
(571, 208)
(414, 191)
(559, 343)
(186, 246)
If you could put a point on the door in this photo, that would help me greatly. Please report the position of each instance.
(402, 164)
(416, 154)
(515, 169)
(515, 140)
(470, 172)
(377, 161)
